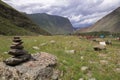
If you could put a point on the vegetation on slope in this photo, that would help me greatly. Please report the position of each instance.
(7, 28)
(51, 23)
(17, 21)
(102, 65)
(110, 22)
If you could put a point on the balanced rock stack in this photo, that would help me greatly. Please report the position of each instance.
(18, 53)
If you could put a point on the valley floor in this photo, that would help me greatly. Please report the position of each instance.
(77, 59)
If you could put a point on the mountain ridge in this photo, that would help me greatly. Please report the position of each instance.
(110, 22)
(52, 23)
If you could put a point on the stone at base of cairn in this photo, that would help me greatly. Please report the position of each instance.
(42, 68)
(13, 61)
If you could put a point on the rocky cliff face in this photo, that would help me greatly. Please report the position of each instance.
(40, 67)
(12, 22)
(51, 23)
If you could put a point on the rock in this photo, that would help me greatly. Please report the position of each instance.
(17, 52)
(99, 48)
(16, 37)
(81, 57)
(89, 74)
(35, 40)
(102, 55)
(81, 79)
(52, 42)
(92, 62)
(16, 40)
(55, 75)
(92, 79)
(84, 68)
(16, 43)
(103, 62)
(16, 47)
(15, 61)
(43, 44)
(41, 68)
(70, 51)
(5, 52)
(117, 70)
(36, 48)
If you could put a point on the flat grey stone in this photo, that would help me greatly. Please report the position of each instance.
(17, 52)
(16, 47)
(17, 40)
(17, 43)
(16, 37)
(17, 60)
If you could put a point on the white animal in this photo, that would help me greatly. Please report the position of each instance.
(102, 43)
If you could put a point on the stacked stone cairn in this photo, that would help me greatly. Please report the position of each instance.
(17, 51)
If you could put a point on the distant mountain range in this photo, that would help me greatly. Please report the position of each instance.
(52, 23)
(110, 22)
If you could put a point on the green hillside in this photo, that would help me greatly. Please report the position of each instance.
(51, 23)
(14, 23)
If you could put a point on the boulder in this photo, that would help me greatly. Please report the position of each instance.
(41, 66)
(99, 47)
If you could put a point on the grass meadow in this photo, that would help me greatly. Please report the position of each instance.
(82, 64)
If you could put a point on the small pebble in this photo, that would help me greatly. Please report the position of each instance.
(84, 68)
(36, 48)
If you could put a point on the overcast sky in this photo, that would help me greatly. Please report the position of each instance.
(81, 13)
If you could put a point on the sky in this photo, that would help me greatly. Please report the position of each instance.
(81, 13)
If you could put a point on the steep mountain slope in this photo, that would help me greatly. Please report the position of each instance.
(14, 23)
(110, 22)
(51, 23)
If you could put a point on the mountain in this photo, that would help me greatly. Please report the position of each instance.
(13, 22)
(52, 23)
(110, 22)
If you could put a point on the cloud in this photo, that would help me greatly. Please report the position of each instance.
(81, 13)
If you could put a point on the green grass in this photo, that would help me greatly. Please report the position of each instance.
(70, 64)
